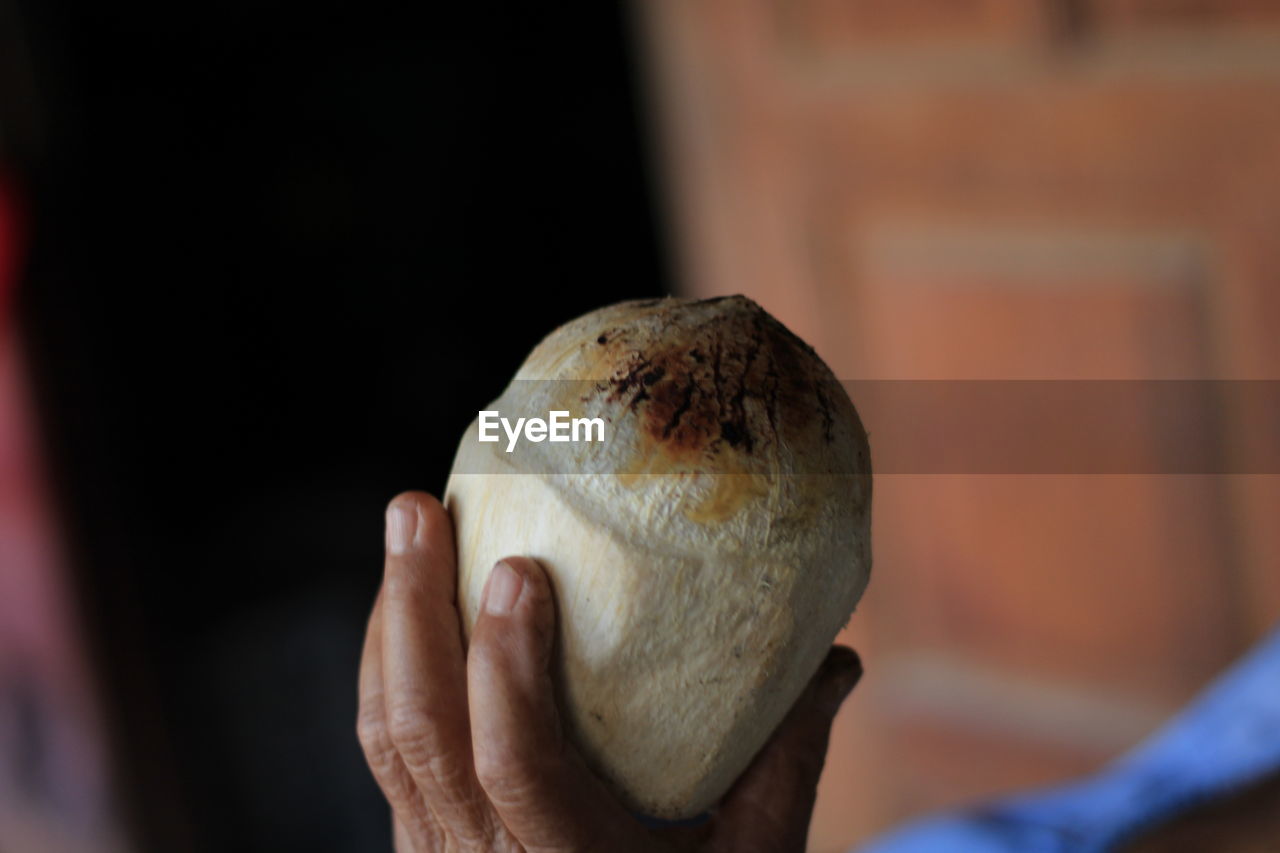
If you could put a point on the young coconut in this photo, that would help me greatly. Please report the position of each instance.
(704, 555)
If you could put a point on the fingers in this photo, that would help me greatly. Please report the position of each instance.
(415, 827)
(770, 806)
(543, 792)
(423, 669)
(402, 841)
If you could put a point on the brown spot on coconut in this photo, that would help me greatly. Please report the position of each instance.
(704, 556)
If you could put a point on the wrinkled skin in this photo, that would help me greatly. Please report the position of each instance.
(467, 743)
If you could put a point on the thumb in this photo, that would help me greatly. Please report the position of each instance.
(770, 805)
(542, 790)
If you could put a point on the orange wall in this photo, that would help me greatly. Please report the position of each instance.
(1000, 189)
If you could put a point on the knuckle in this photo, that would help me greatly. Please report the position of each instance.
(450, 776)
(490, 770)
(379, 752)
(508, 776)
(506, 649)
(505, 782)
(370, 731)
(413, 727)
(487, 650)
(399, 586)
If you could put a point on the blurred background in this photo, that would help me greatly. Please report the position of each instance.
(261, 263)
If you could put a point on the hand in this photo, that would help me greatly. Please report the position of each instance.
(468, 746)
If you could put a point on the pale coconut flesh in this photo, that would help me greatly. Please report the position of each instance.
(703, 556)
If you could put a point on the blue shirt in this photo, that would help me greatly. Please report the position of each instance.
(1227, 739)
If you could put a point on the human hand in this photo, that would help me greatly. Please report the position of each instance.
(467, 743)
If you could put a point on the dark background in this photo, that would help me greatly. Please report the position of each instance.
(280, 255)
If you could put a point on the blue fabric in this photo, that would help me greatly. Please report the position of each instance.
(1226, 739)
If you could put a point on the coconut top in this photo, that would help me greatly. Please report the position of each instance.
(754, 434)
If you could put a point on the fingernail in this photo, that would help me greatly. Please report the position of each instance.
(402, 523)
(504, 589)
